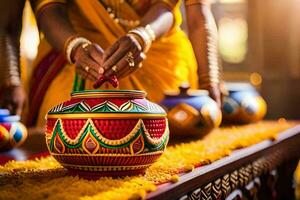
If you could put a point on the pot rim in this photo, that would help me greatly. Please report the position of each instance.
(239, 86)
(137, 94)
(190, 93)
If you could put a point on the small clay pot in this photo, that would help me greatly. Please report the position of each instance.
(12, 132)
(243, 104)
(191, 113)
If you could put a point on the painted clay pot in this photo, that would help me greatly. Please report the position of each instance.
(243, 104)
(107, 133)
(191, 112)
(12, 132)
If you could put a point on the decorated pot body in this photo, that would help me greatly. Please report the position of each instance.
(191, 112)
(12, 132)
(243, 104)
(111, 133)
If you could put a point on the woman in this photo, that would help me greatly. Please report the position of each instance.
(106, 38)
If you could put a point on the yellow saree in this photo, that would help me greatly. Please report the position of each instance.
(170, 60)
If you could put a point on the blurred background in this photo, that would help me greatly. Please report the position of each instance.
(259, 42)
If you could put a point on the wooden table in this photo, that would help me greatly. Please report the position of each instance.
(262, 171)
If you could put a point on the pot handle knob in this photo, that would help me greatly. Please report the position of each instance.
(183, 88)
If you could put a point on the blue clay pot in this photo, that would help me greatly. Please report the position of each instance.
(12, 132)
(191, 113)
(243, 104)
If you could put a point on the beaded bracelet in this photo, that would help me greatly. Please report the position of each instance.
(71, 43)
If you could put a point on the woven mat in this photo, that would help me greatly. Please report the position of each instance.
(45, 178)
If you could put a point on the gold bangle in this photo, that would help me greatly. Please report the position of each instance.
(192, 2)
(146, 39)
(68, 41)
(150, 32)
(40, 4)
(146, 34)
(72, 44)
(138, 39)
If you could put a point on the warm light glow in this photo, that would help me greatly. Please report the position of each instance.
(282, 120)
(255, 79)
(233, 34)
(30, 35)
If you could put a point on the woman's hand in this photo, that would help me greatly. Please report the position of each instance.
(123, 57)
(13, 98)
(215, 93)
(88, 60)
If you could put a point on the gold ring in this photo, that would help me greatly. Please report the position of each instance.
(115, 68)
(86, 68)
(130, 54)
(130, 59)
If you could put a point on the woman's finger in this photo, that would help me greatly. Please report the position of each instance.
(125, 44)
(129, 60)
(110, 51)
(215, 94)
(87, 69)
(19, 108)
(96, 53)
(115, 58)
(124, 67)
(85, 74)
(116, 69)
(86, 61)
(138, 58)
(111, 63)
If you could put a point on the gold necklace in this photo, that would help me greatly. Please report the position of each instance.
(114, 9)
